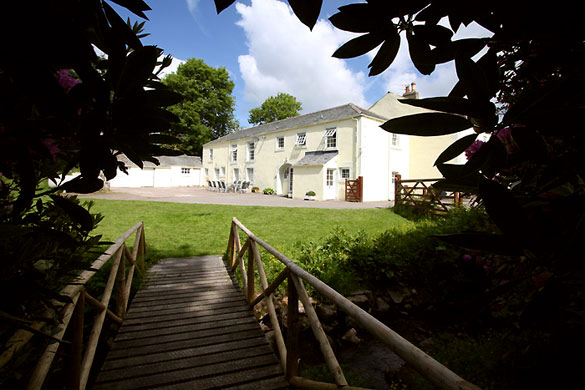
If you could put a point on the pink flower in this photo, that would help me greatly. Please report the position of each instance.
(472, 149)
(505, 135)
(467, 257)
(541, 279)
(66, 80)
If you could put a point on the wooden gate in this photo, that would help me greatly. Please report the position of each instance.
(354, 190)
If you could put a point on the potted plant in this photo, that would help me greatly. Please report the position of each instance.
(255, 189)
(310, 195)
(268, 191)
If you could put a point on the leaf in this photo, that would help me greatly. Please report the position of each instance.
(83, 185)
(358, 46)
(427, 124)
(220, 5)
(139, 66)
(453, 105)
(135, 6)
(121, 28)
(75, 211)
(162, 97)
(455, 149)
(385, 55)
(307, 11)
(473, 79)
(420, 54)
(503, 209)
(467, 184)
(164, 139)
(495, 243)
(357, 18)
(531, 144)
(433, 34)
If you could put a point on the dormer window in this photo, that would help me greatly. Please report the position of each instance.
(301, 139)
(331, 138)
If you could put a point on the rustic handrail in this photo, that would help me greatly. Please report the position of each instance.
(434, 371)
(119, 282)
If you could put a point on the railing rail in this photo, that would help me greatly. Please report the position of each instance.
(288, 351)
(420, 193)
(72, 314)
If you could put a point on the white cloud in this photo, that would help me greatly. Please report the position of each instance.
(285, 56)
(192, 5)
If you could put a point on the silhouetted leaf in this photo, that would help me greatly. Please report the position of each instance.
(83, 185)
(468, 184)
(135, 6)
(473, 79)
(307, 11)
(75, 211)
(139, 67)
(358, 46)
(433, 34)
(385, 55)
(531, 144)
(503, 208)
(453, 105)
(456, 148)
(162, 97)
(357, 18)
(220, 5)
(427, 124)
(495, 243)
(420, 54)
(163, 139)
(121, 28)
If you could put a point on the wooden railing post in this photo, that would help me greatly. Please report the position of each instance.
(292, 335)
(397, 187)
(361, 188)
(250, 292)
(76, 347)
(231, 250)
(121, 285)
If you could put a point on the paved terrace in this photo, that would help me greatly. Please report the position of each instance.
(202, 196)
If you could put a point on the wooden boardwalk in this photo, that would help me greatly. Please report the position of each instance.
(190, 328)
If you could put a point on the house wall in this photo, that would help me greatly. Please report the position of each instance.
(374, 155)
(157, 177)
(308, 179)
(270, 160)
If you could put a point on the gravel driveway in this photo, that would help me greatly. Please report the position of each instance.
(203, 196)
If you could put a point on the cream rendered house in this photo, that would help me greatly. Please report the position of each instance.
(318, 151)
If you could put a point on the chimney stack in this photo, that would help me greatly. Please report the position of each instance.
(410, 92)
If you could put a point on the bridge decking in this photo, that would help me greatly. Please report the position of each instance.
(190, 328)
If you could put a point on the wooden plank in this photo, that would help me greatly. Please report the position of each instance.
(194, 330)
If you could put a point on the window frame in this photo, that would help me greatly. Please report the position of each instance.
(329, 182)
(234, 152)
(278, 147)
(331, 138)
(395, 140)
(341, 176)
(211, 154)
(250, 179)
(236, 173)
(303, 137)
(185, 171)
(251, 155)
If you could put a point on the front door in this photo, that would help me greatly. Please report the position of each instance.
(330, 187)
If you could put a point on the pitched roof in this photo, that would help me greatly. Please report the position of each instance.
(316, 158)
(166, 161)
(331, 114)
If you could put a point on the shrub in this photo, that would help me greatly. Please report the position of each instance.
(255, 189)
(310, 193)
(268, 191)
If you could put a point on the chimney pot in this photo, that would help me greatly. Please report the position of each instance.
(407, 89)
(413, 85)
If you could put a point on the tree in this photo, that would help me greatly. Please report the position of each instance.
(63, 107)
(275, 108)
(206, 113)
(530, 174)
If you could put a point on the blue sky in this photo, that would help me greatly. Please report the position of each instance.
(267, 50)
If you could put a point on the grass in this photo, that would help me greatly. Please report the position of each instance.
(179, 229)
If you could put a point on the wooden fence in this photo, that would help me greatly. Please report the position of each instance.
(420, 194)
(71, 315)
(289, 350)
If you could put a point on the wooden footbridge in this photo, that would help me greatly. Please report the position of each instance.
(191, 327)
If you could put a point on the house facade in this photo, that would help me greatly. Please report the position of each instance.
(318, 151)
(173, 171)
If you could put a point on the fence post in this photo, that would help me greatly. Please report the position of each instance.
(250, 292)
(292, 334)
(121, 285)
(397, 187)
(456, 199)
(231, 248)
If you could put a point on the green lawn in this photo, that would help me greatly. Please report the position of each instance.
(178, 229)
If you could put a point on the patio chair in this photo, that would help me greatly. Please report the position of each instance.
(235, 187)
(214, 185)
(244, 187)
(209, 186)
(222, 186)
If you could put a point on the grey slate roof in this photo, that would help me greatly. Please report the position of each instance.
(316, 158)
(331, 114)
(166, 161)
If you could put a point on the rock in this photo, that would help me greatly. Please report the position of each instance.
(408, 306)
(381, 305)
(265, 328)
(351, 336)
(350, 322)
(399, 295)
(360, 300)
(326, 313)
